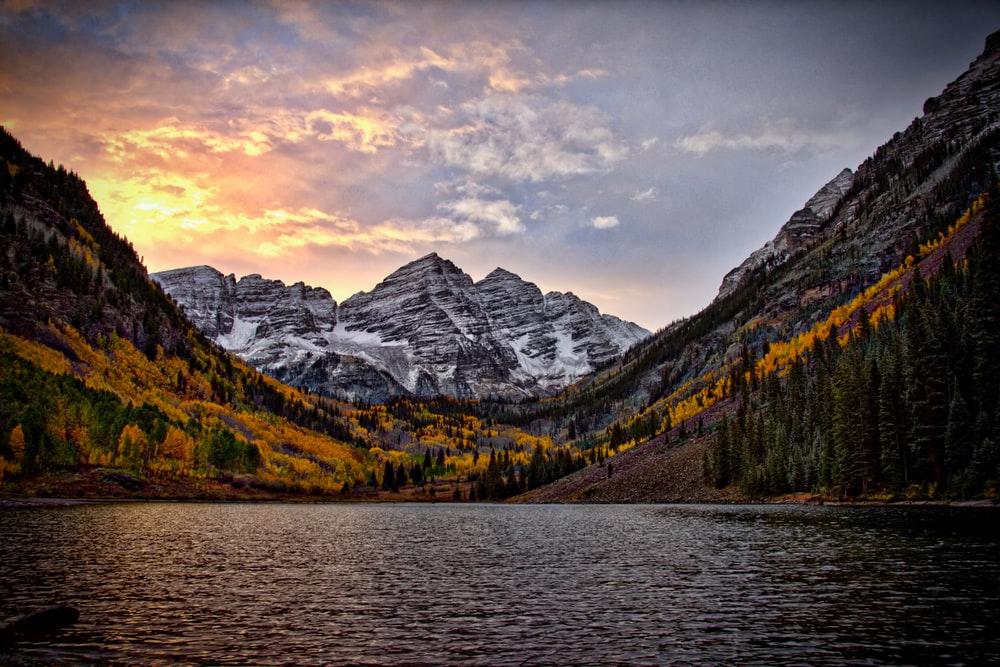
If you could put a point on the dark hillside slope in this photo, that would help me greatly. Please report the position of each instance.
(820, 270)
(879, 407)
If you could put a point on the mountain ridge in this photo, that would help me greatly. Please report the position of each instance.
(425, 329)
(927, 188)
(795, 234)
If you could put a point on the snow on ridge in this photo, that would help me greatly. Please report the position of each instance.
(427, 326)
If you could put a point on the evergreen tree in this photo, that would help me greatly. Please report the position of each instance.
(928, 375)
(984, 306)
(958, 440)
(893, 421)
(389, 478)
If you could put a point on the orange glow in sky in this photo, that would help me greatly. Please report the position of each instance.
(631, 155)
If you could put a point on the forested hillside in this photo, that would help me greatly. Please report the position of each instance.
(902, 403)
(920, 200)
(100, 373)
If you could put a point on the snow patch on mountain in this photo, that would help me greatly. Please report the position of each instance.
(426, 329)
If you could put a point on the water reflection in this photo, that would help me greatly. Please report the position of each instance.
(486, 584)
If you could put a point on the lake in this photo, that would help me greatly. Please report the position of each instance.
(505, 585)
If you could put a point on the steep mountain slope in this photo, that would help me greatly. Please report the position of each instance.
(891, 396)
(425, 330)
(843, 257)
(796, 234)
(99, 367)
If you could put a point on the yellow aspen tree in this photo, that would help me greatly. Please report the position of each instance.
(178, 446)
(131, 444)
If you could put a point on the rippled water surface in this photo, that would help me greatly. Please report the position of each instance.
(490, 584)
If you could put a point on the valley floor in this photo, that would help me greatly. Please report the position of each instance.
(110, 484)
(650, 473)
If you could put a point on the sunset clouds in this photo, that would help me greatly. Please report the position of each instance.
(527, 138)
(333, 142)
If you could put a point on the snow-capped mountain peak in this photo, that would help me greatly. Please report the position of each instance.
(425, 329)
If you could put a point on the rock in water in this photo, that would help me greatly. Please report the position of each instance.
(38, 622)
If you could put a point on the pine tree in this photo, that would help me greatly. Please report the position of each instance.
(389, 478)
(958, 438)
(984, 309)
(892, 420)
(848, 427)
(929, 397)
(871, 452)
(721, 462)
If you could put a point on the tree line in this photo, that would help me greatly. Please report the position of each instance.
(909, 405)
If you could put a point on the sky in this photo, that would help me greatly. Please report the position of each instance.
(629, 152)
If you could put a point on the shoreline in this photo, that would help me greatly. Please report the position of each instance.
(20, 502)
(108, 485)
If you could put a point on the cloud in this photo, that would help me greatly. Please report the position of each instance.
(364, 133)
(645, 195)
(17, 6)
(366, 78)
(605, 221)
(489, 60)
(649, 143)
(501, 215)
(171, 139)
(551, 210)
(249, 76)
(467, 187)
(306, 19)
(527, 138)
(169, 211)
(394, 235)
(503, 79)
(436, 230)
(781, 136)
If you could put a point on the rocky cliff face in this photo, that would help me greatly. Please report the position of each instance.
(426, 329)
(858, 226)
(884, 203)
(803, 227)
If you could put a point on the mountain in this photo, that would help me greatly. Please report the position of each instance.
(427, 329)
(106, 385)
(801, 229)
(854, 355)
(879, 292)
(108, 389)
